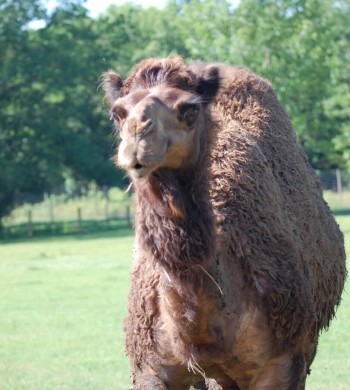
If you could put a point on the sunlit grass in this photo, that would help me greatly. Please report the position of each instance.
(338, 201)
(62, 304)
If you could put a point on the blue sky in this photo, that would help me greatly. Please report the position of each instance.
(97, 6)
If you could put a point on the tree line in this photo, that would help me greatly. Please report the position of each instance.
(53, 122)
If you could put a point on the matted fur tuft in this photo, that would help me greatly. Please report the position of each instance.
(172, 72)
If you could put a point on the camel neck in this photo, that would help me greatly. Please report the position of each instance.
(174, 221)
(176, 231)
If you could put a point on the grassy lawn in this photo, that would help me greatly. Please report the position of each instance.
(330, 370)
(62, 304)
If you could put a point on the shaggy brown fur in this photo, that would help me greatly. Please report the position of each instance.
(238, 261)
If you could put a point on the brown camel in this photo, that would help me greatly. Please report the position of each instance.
(238, 261)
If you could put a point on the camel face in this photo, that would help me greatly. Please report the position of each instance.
(159, 128)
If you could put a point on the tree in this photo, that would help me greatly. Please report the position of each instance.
(294, 43)
(129, 33)
(14, 89)
(206, 28)
(52, 121)
(338, 104)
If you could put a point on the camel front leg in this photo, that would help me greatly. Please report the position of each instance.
(149, 382)
(281, 373)
(164, 377)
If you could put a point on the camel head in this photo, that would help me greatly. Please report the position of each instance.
(160, 114)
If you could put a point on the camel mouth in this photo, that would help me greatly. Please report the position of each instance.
(139, 171)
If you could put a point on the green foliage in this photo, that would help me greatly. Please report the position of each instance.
(53, 121)
(206, 29)
(14, 16)
(301, 46)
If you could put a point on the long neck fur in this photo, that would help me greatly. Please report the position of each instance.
(176, 230)
(175, 224)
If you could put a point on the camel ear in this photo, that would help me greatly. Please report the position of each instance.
(208, 84)
(111, 84)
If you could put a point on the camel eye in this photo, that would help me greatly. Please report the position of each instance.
(188, 113)
(119, 113)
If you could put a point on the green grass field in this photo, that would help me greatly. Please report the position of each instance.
(62, 304)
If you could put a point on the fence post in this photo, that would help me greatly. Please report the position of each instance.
(339, 185)
(95, 195)
(48, 200)
(80, 226)
(105, 190)
(51, 213)
(107, 209)
(128, 216)
(30, 224)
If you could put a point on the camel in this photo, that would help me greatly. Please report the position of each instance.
(238, 262)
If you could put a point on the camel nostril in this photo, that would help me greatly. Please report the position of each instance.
(138, 166)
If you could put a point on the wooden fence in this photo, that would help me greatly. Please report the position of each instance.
(60, 214)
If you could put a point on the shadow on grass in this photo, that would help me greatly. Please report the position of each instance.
(87, 230)
(341, 212)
